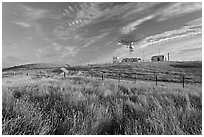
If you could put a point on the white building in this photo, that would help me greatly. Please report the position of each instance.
(115, 59)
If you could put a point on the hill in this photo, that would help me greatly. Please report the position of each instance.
(45, 102)
(35, 66)
(166, 71)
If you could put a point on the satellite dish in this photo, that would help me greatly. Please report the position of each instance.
(131, 48)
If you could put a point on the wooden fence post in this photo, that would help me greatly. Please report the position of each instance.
(119, 78)
(135, 79)
(183, 81)
(156, 80)
(102, 76)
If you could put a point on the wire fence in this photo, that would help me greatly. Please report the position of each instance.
(117, 75)
(102, 75)
(134, 77)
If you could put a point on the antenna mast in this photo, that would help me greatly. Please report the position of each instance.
(168, 56)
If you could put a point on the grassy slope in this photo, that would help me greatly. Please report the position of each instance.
(166, 71)
(34, 66)
(87, 106)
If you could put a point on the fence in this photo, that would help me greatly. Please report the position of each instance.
(110, 75)
(120, 76)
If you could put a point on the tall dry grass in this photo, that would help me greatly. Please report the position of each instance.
(83, 106)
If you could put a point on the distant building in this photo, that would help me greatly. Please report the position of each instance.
(66, 65)
(115, 59)
(130, 60)
(157, 58)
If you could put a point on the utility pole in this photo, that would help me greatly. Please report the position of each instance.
(168, 56)
(159, 51)
(143, 55)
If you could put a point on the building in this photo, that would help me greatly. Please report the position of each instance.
(115, 59)
(157, 58)
(130, 60)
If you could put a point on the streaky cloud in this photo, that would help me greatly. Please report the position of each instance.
(191, 28)
(22, 24)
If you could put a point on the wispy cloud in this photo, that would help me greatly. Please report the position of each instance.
(130, 15)
(124, 12)
(34, 14)
(63, 51)
(92, 40)
(22, 24)
(80, 14)
(75, 17)
(65, 33)
(196, 22)
(163, 13)
(133, 25)
(56, 51)
(187, 30)
(178, 9)
(89, 43)
(30, 17)
(139, 8)
(88, 11)
(70, 51)
(92, 13)
(110, 43)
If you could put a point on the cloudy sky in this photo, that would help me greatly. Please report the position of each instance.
(81, 33)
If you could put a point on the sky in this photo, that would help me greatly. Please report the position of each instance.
(81, 33)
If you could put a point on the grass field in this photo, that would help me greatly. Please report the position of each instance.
(84, 106)
(169, 71)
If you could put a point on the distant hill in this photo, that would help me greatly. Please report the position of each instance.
(35, 66)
